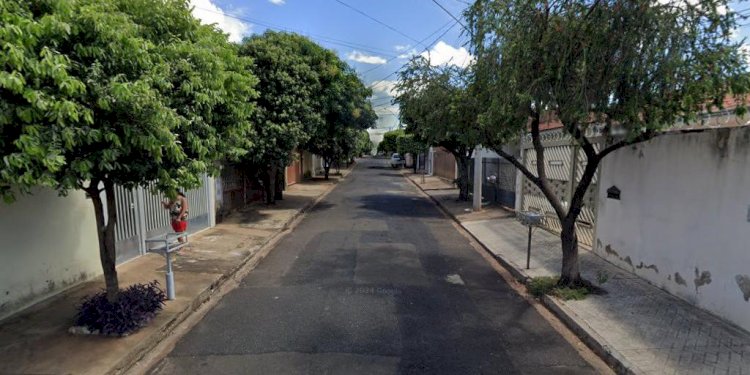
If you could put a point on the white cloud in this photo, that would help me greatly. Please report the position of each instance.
(445, 54)
(277, 2)
(400, 47)
(209, 13)
(384, 88)
(387, 116)
(366, 59)
(408, 54)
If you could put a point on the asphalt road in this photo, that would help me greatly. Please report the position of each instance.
(375, 280)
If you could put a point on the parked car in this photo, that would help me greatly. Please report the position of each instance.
(397, 161)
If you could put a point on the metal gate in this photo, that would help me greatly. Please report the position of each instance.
(499, 181)
(565, 164)
(140, 215)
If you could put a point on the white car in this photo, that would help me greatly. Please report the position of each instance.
(397, 161)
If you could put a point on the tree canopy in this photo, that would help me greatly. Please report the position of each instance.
(129, 92)
(438, 109)
(344, 105)
(389, 143)
(622, 71)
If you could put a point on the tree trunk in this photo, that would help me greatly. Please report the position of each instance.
(106, 235)
(463, 178)
(269, 184)
(279, 185)
(570, 274)
(326, 167)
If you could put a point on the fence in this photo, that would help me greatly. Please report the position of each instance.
(565, 164)
(443, 164)
(141, 215)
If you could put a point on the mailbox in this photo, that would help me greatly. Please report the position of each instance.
(530, 219)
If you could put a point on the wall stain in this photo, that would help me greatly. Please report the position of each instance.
(701, 278)
(742, 141)
(610, 251)
(649, 267)
(52, 288)
(669, 277)
(722, 141)
(743, 281)
(679, 280)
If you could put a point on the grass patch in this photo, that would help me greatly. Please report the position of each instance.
(539, 286)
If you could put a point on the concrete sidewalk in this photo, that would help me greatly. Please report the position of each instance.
(636, 327)
(37, 340)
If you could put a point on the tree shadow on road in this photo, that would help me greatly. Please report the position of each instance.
(400, 205)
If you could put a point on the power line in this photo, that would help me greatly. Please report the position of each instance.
(449, 13)
(326, 39)
(427, 48)
(377, 20)
(420, 42)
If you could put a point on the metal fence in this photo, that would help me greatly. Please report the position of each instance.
(499, 181)
(140, 215)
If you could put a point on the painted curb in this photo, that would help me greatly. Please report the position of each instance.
(557, 307)
(138, 352)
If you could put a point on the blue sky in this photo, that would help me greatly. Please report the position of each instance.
(376, 51)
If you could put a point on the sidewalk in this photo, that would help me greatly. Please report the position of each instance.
(37, 341)
(636, 327)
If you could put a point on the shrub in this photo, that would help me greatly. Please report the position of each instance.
(134, 308)
(539, 286)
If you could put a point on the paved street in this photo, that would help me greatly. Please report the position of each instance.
(374, 280)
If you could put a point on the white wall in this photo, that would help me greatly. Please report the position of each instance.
(47, 243)
(684, 214)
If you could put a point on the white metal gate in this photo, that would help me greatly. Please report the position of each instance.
(565, 165)
(140, 215)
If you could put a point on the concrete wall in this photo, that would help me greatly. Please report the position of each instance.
(683, 218)
(47, 244)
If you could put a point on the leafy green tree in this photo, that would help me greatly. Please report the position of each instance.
(345, 107)
(289, 68)
(626, 70)
(410, 144)
(98, 93)
(438, 108)
(364, 145)
(389, 142)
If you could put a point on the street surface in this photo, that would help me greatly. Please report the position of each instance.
(374, 280)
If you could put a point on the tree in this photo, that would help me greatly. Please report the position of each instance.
(289, 68)
(364, 145)
(410, 144)
(98, 93)
(345, 106)
(438, 108)
(624, 69)
(389, 142)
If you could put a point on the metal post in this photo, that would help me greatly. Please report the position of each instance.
(170, 277)
(528, 250)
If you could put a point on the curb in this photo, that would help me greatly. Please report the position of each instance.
(592, 339)
(139, 352)
(557, 307)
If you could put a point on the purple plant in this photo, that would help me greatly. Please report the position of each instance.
(134, 308)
